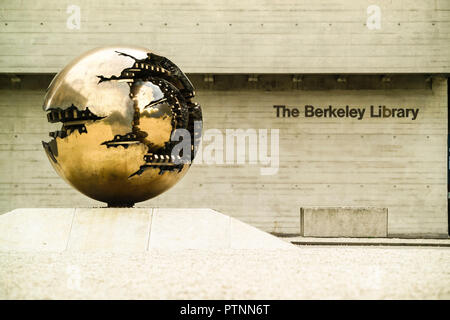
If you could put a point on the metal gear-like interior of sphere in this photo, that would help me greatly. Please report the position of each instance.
(119, 108)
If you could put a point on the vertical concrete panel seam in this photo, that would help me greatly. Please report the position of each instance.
(387, 222)
(445, 102)
(70, 230)
(230, 232)
(149, 229)
(302, 220)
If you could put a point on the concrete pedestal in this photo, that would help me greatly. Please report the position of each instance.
(128, 230)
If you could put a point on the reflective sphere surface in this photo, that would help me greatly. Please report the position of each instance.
(119, 108)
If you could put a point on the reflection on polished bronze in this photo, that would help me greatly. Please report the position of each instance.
(119, 108)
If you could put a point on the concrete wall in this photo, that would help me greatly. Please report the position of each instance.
(233, 36)
(397, 164)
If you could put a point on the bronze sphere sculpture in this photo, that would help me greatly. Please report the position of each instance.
(119, 108)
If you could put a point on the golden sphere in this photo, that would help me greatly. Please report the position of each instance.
(119, 108)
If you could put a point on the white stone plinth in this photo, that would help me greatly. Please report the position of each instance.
(128, 230)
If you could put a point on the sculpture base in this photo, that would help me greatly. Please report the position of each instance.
(121, 205)
(128, 229)
(132, 253)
